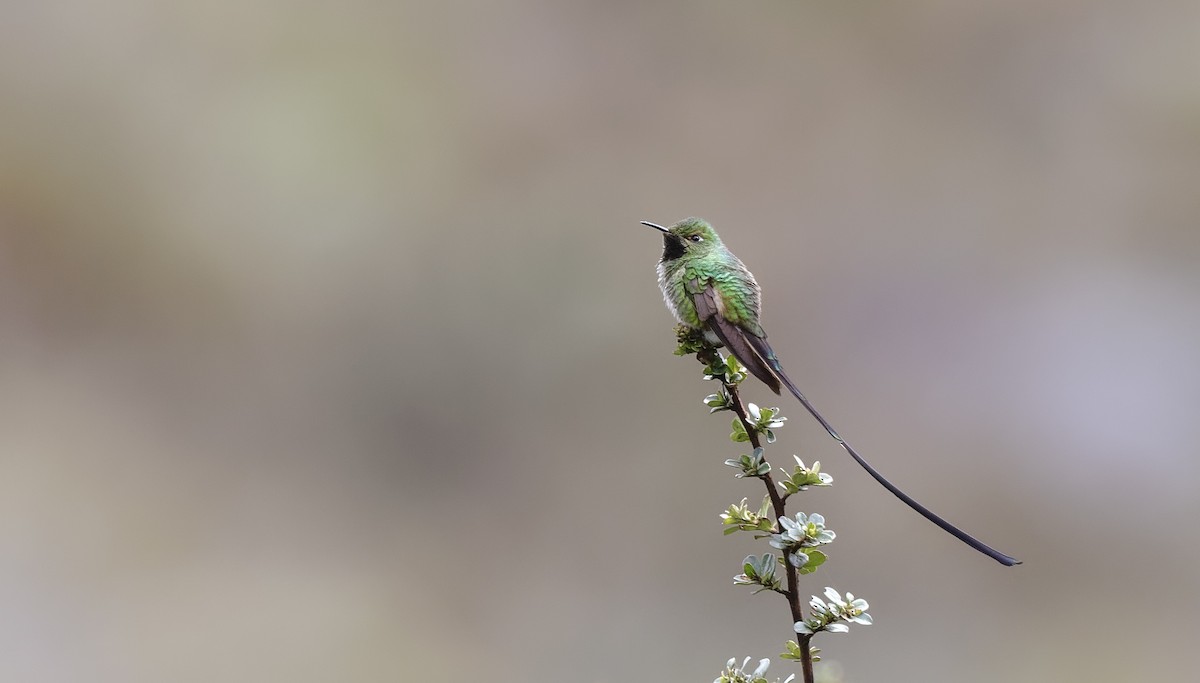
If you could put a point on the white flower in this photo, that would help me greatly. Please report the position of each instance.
(763, 665)
(828, 614)
(834, 597)
(864, 619)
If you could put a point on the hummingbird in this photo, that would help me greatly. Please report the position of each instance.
(709, 289)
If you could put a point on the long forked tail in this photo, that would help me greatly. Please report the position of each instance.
(924, 511)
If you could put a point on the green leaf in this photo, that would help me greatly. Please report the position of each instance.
(739, 434)
(791, 651)
(816, 558)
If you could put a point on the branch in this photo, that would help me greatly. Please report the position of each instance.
(708, 356)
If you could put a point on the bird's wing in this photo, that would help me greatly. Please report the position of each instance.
(742, 344)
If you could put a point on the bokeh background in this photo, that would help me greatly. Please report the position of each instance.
(331, 347)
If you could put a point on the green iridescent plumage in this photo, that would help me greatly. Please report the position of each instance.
(709, 289)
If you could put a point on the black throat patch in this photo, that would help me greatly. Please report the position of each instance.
(673, 247)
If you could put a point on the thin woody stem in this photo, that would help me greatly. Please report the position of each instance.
(792, 592)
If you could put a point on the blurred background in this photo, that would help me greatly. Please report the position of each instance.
(332, 350)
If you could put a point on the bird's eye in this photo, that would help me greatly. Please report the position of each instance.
(696, 238)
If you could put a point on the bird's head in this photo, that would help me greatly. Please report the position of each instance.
(688, 238)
